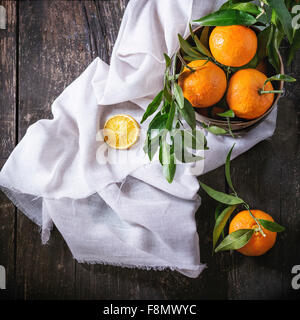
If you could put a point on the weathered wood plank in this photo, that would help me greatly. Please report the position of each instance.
(255, 176)
(7, 141)
(268, 177)
(54, 50)
(287, 144)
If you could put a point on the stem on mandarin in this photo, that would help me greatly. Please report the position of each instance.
(270, 91)
(185, 64)
(258, 224)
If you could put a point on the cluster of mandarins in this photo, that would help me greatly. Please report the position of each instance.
(204, 83)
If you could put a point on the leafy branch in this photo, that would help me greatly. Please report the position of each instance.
(239, 238)
(172, 112)
(167, 133)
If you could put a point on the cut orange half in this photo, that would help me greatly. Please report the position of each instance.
(121, 131)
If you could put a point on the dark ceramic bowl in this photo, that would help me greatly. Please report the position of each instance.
(238, 126)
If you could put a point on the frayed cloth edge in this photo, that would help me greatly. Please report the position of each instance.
(198, 268)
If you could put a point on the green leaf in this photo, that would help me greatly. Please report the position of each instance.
(168, 160)
(204, 37)
(188, 58)
(272, 48)
(158, 123)
(169, 170)
(188, 114)
(279, 77)
(201, 48)
(153, 106)
(227, 17)
(185, 139)
(220, 196)
(294, 47)
(227, 114)
(167, 94)
(189, 157)
(156, 126)
(169, 123)
(219, 208)
(193, 139)
(168, 60)
(235, 240)
(221, 222)
(284, 16)
(188, 49)
(262, 38)
(271, 226)
(275, 20)
(229, 3)
(151, 146)
(214, 129)
(229, 128)
(247, 7)
(165, 107)
(227, 169)
(165, 150)
(179, 95)
(225, 5)
(160, 157)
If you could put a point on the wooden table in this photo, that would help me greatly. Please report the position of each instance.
(46, 46)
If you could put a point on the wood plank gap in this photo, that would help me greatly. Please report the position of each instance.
(16, 132)
(91, 34)
(103, 30)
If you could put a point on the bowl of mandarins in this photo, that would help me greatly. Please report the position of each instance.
(225, 74)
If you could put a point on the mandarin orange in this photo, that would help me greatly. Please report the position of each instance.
(205, 85)
(234, 45)
(243, 94)
(258, 244)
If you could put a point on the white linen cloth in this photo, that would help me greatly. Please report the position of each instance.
(122, 214)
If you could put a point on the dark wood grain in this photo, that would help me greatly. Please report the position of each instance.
(8, 103)
(53, 51)
(286, 142)
(268, 178)
(46, 46)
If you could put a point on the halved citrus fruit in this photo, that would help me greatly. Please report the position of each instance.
(121, 131)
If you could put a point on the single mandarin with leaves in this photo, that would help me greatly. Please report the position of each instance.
(121, 131)
(203, 83)
(234, 45)
(245, 96)
(258, 244)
